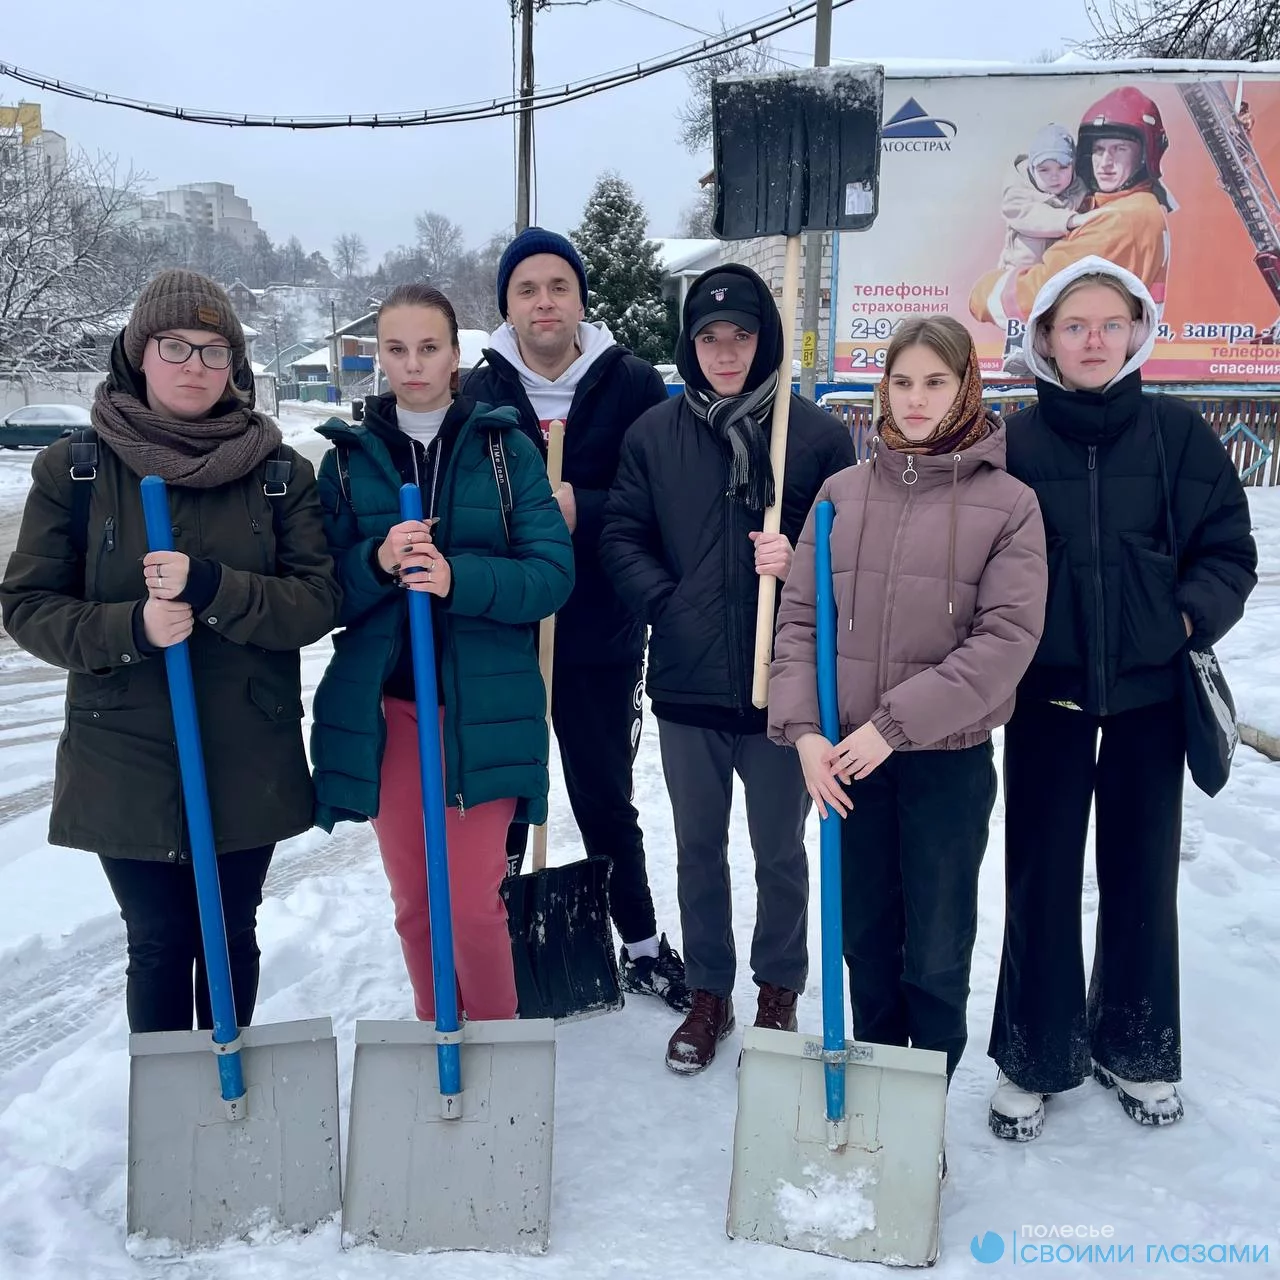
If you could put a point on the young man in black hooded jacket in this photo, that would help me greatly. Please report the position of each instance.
(683, 543)
(547, 364)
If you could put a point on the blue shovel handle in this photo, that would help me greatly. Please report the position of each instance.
(422, 638)
(832, 919)
(204, 860)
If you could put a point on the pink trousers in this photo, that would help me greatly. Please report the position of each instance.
(477, 865)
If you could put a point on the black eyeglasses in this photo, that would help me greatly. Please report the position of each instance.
(213, 355)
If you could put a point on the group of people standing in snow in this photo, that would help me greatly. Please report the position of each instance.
(986, 574)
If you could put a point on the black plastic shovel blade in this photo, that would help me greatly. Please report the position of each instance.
(561, 941)
(799, 151)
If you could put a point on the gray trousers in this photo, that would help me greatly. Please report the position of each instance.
(699, 765)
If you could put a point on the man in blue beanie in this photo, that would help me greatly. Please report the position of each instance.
(547, 363)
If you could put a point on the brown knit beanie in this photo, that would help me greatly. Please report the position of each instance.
(180, 299)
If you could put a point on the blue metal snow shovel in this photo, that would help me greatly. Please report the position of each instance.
(221, 1143)
(838, 1144)
(449, 1140)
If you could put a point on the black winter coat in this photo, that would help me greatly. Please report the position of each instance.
(594, 628)
(1113, 626)
(677, 549)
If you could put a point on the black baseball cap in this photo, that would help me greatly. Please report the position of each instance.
(726, 295)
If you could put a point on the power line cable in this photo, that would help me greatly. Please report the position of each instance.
(770, 53)
(495, 108)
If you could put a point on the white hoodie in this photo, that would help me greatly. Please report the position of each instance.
(1034, 358)
(551, 399)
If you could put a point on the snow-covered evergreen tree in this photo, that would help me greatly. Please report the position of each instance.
(622, 267)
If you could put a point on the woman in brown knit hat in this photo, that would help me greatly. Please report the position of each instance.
(938, 557)
(250, 583)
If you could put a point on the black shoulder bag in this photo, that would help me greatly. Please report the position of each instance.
(1208, 709)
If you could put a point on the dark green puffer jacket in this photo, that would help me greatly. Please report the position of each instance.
(507, 574)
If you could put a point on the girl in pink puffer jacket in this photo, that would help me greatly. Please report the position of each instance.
(938, 557)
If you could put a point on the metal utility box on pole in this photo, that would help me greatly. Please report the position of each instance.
(814, 243)
(524, 147)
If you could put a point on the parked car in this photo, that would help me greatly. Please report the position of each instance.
(36, 425)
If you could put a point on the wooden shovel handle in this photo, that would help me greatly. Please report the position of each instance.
(547, 627)
(778, 458)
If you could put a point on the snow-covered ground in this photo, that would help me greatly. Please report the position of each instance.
(1251, 653)
(642, 1157)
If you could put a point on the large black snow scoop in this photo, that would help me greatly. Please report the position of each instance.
(794, 152)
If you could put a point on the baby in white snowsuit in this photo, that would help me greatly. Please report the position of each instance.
(1042, 198)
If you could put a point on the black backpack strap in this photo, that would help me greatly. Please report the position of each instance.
(276, 475)
(342, 454)
(84, 471)
(501, 477)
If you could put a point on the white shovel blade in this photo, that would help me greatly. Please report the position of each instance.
(198, 1178)
(418, 1182)
(876, 1200)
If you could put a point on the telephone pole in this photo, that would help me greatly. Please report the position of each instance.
(336, 357)
(524, 147)
(814, 241)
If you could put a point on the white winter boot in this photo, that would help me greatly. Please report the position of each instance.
(1016, 1115)
(1154, 1102)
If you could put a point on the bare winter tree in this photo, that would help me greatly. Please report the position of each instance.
(293, 262)
(349, 255)
(473, 290)
(262, 261)
(697, 216)
(440, 244)
(71, 263)
(280, 319)
(1245, 30)
(695, 114)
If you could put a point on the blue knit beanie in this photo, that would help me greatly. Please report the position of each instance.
(525, 245)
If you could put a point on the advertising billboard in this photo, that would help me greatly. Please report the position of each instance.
(989, 184)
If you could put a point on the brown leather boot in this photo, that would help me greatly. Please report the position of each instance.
(693, 1046)
(776, 1007)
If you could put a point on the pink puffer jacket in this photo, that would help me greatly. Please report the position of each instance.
(940, 581)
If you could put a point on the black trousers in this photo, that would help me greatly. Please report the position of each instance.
(911, 850)
(1046, 1028)
(162, 924)
(596, 713)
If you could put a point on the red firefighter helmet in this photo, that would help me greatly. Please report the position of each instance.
(1124, 113)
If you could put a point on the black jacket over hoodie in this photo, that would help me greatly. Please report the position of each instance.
(594, 628)
(1113, 627)
(676, 545)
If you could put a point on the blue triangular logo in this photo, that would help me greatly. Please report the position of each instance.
(911, 120)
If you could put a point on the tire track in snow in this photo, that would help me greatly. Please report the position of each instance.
(45, 1005)
(20, 803)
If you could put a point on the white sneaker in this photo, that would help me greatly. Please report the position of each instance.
(1154, 1102)
(1015, 1114)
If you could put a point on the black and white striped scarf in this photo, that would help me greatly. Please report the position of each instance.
(741, 424)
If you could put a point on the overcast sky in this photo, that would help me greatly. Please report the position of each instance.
(338, 56)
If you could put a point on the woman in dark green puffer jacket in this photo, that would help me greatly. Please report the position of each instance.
(495, 556)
